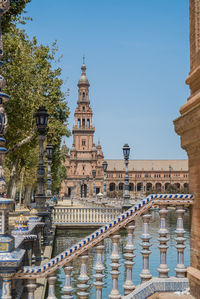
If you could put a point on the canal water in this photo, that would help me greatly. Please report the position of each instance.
(68, 237)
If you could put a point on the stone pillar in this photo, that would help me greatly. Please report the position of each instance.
(67, 289)
(99, 267)
(187, 126)
(145, 274)
(52, 283)
(163, 239)
(115, 266)
(31, 287)
(129, 249)
(180, 268)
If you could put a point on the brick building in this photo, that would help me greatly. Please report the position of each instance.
(85, 156)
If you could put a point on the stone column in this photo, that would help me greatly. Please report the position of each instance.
(129, 249)
(180, 268)
(52, 283)
(67, 289)
(163, 239)
(31, 287)
(115, 266)
(145, 274)
(99, 267)
(83, 277)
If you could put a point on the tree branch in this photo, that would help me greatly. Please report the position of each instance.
(22, 142)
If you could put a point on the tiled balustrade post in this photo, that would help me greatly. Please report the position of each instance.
(163, 239)
(115, 266)
(83, 278)
(99, 267)
(180, 267)
(51, 278)
(129, 249)
(31, 287)
(145, 274)
(67, 289)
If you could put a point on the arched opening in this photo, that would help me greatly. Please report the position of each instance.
(121, 186)
(131, 187)
(88, 123)
(167, 186)
(177, 186)
(79, 123)
(69, 191)
(148, 186)
(83, 96)
(83, 123)
(186, 186)
(158, 187)
(139, 186)
(112, 187)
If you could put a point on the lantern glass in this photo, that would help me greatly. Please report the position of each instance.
(126, 151)
(41, 119)
(94, 173)
(105, 165)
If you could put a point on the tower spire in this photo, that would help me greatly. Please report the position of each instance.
(83, 59)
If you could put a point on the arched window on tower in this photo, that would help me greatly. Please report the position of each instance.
(83, 96)
(83, 123)
(79, 123)
(88, 123)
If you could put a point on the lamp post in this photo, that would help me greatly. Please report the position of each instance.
(87, 179)
(94, 176)
(105, 166)
(41, 122)
(49, 151)
(126, 153)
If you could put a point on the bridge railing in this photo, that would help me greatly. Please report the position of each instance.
(86, 215)
(96, 240)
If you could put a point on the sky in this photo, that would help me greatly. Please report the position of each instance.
(137, 58)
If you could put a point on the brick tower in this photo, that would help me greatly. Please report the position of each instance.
(84, 156)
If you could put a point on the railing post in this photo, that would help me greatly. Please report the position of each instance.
(6, 285)
(115, 265)
(163, 239)
(129, 249)
(31, 287)
(145, 274)
(180, 267)
(99, 267)
(67, 289)
(52, 282)
(83, 278)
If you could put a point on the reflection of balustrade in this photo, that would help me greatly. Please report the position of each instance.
(95, 240)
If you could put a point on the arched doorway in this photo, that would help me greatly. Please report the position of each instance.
(148, 186)
(121, 186)
(167, 186)
(139, 186)
(158, 187)
(112, 187)
(131, 187)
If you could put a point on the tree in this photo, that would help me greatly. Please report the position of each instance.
(31, 82)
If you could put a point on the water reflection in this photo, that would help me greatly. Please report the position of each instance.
(66, 238)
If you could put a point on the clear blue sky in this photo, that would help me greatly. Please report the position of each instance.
(137, 57)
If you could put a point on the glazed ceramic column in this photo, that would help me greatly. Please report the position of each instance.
(163, 239)
(145, 274)
(31, 287)
(51, 278)
(83, 277)
(99, 267)
(67, 289)
(129, 249)
(115, 266)
(180, 267)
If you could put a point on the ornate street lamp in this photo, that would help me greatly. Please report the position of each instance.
(105, 166)
(87, 179)
(41, 122)
(94, 176)
(49, 151)
(126, 152)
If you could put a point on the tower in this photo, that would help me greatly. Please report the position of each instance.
(84, 155)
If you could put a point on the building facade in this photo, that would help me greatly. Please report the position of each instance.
(85, 156)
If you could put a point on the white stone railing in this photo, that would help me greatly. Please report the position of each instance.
(96, 240)
(86, 215)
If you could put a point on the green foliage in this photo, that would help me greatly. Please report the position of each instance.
(15, 10)
(58, 170)
(32, 82)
